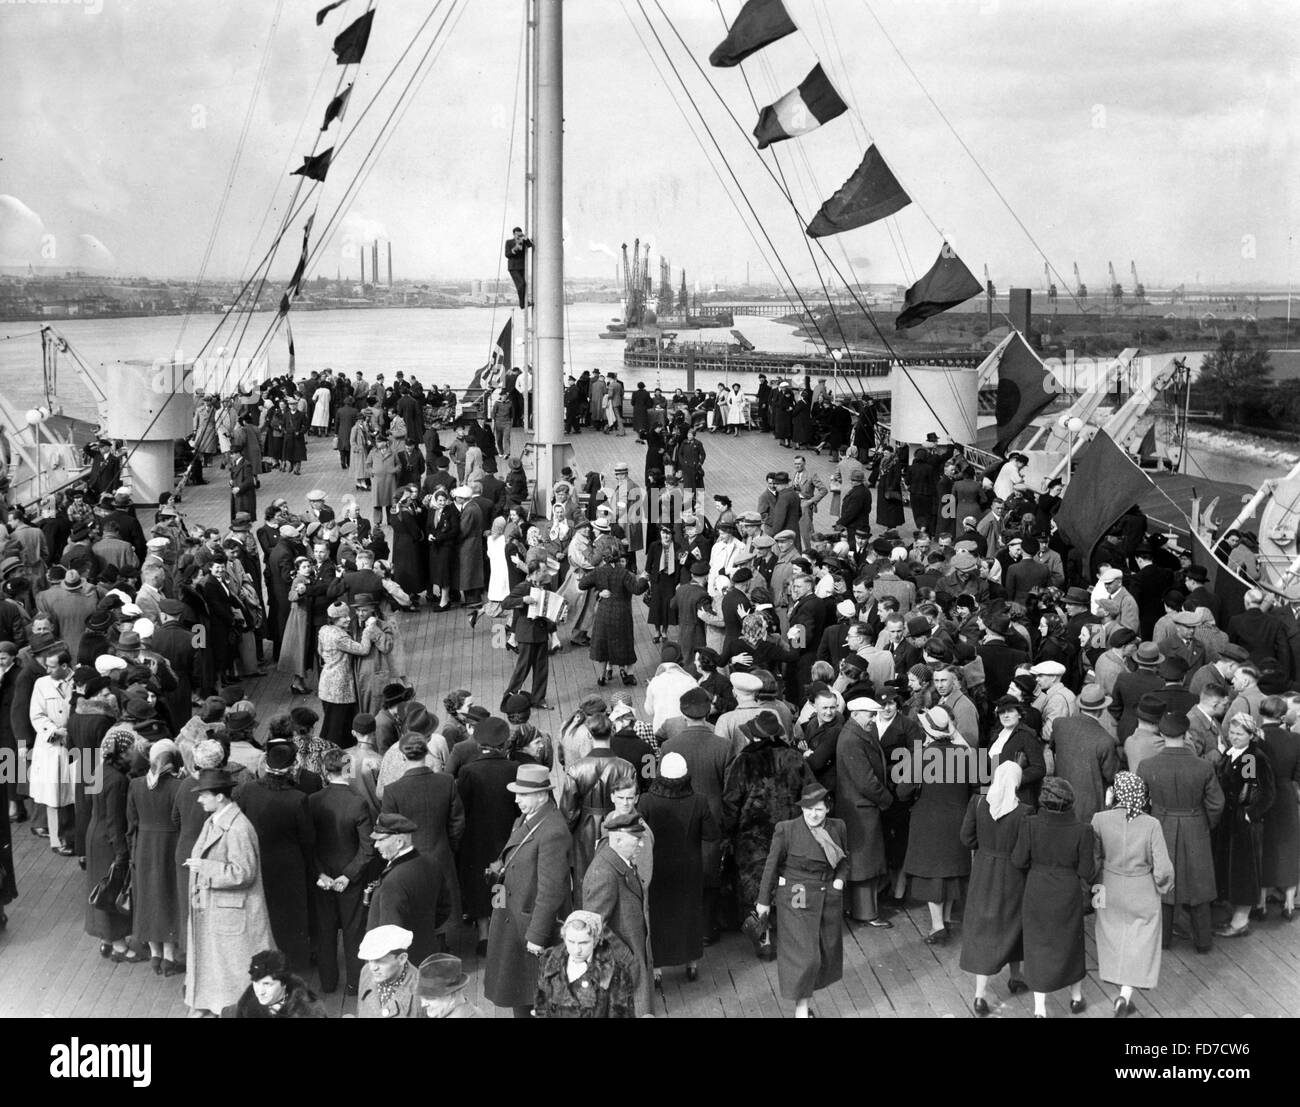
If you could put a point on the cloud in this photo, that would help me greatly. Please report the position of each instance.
(21, 230)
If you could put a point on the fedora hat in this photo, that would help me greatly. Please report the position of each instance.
(441, 975)
(211, 780)
(1148, 655)
(1092, 698)
(530, 779)
(813, 794)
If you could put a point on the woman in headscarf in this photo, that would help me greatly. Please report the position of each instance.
(337, 688)
(941, 778)
(1058, 852)
(991, 927)
(498, 571)
(108, 853)
(1135, 871)
(588, 976)
(1014, 740)
(153, 833)
(807, 866)
(1249, 789)
(663, 561)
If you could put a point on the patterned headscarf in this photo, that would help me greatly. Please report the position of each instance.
(117, 745)
(1130, 794)
(587, 920)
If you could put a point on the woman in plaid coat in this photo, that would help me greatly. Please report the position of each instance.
(611, 632)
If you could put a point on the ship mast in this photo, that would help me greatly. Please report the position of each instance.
(548, 255)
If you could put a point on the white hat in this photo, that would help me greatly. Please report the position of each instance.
(862, 703)
(673, 766)
(107, 663)
(384, 940)
(315, 494)
(130, 611)
(1048, 668)
(462, 492)
(746, 682)
(157, 543)
(143, 627)
(1107, 575)
(289, 531)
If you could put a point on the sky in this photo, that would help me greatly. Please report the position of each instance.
(1162, 133)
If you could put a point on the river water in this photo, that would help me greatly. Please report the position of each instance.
(442, 346)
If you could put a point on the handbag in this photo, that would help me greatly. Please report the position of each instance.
(122, 904)
(758, 931)
(103, 896)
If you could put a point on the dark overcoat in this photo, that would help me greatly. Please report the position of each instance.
(1282, 826)
(861, 794)
(430, 800)
(471, 568)
(490, 813)
(613, 890)
(707, 756)
(415, 894)
(682, 823)
(612, 635)
(809, 910)
(1058, 852)
(1249, 792)
(106, 846)
(444, 541)
(991, 935)
(286, 837)
(1186, 798)
(154, 827)
(934, 847)
(532, 897)
(663, 588)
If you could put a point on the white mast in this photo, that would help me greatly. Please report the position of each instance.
(548, 254)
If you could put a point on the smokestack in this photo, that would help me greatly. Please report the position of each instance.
(390, 263)
(374, 261)
(363, 267)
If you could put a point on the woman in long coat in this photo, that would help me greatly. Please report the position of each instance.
(1014, 740)
(410, 562)
(1249, 790)
(1058, 852)
(991, 926)
(612, 640)
(295, 642)
(1135, 871)
(337, 688)
(664, 566)
(442, 526)
(806, 868)
(106, 843)
(801, 424)
(153, 828)
(936, 862)
(889, 493)
(273, 446)
(295, 435)
(471, 580)
(228, 920)
(383, 465)
(359, 444)
(581, 558)
(762, 788)
(1281, 868)
(782, 409)
(681, 823)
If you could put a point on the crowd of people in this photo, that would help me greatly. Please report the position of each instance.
(848, 709)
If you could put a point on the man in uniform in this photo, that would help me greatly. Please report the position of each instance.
(389, 986)
(412, 892)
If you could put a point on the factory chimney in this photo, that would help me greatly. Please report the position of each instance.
(390, 263)
(374, 261)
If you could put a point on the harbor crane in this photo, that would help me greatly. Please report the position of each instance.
(1080, 289)
(1139, 289)
(1116, 289)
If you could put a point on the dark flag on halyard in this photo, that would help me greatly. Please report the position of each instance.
(1025, 387)
(284, 303)
(315, 167)
(288, 330)
(1147, 447)
(947, 284)
(301, 267)
(350, 46)
(335, 108)
(759, 23)
(800, 110)
(493, 374)
(320, 15)
(872, 193)
(1104, 485)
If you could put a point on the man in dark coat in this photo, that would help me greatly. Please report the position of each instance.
(861, 797)
(411, 892)
(344, 857)
(532, 636)
(1000, 659)
(612, 888)
(1086, 754)
(1187, 799)
(286, 839)
(430, 800)
(855, 505)
(1131, 687)
(279, 574)
(1149, 585)
(345, 418)
(490, 814)
(531, 894)
(787, 508)
(808, 613)
(1262, 635)
(128, 526)
(175, 642)
(243, 486)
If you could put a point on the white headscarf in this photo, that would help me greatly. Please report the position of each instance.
(1002, 792)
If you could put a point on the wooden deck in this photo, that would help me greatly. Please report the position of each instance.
(50, 967)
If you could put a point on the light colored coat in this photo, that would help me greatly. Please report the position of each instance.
(336, 649)
(1134, 871)
(228, 918)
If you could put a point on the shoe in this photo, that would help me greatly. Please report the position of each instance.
(1040, 1016)
(1123, 1008)
(629, 678)
(473, 617)
(63, 851)
(1016, 986)
(40, 831)
(155, 963)
(1258, 913)
(299, 689)
(1078, 1006)
(1288, 913)
(543, 707)
(173, 968)
(1230, 931)
(880, 923)
(21, 817)
(130, 957)
(981, 1007)
(1181, 931)
(937, 937)
(105, 949)
(656, 639)
(602, 680)
(659, 983)
(692, 973)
